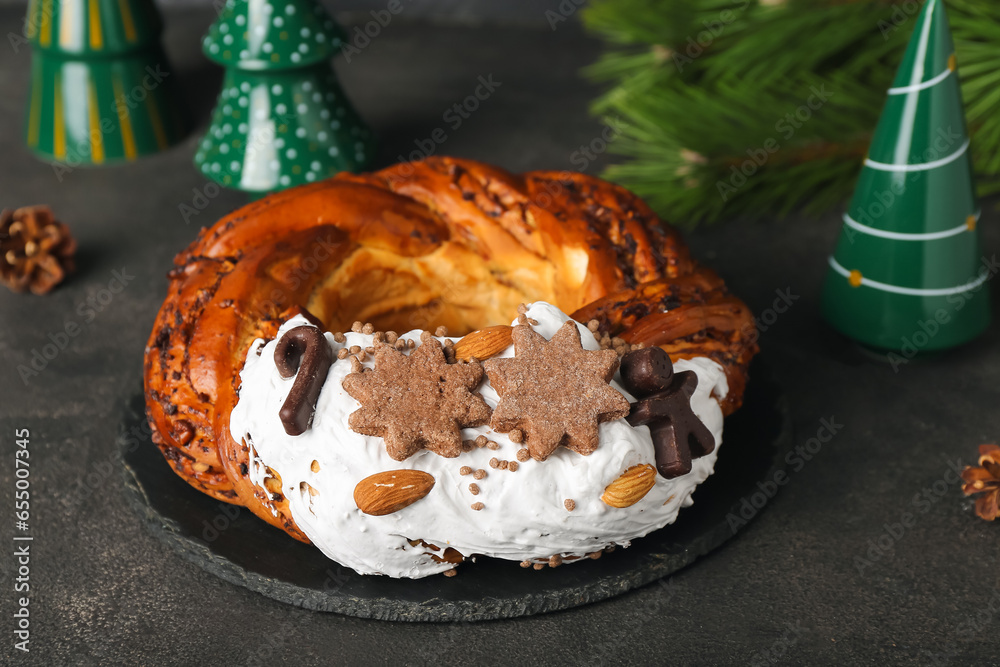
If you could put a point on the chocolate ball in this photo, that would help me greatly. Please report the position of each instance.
(646, 371)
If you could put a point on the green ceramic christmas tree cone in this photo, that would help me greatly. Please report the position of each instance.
(908, 272)
(101, 89)
(282, 118)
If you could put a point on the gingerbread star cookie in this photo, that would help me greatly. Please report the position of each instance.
(554, 391)
(417, 401)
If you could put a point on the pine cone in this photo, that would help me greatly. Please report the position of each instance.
(36, 250)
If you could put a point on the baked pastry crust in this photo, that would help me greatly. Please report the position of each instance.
(417, 245)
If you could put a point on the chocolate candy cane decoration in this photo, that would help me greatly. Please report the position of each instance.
(302, 352)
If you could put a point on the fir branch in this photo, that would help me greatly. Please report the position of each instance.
(691, 123)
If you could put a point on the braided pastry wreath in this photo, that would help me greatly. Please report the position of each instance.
(439, 243)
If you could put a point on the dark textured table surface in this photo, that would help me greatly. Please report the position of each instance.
(827, 574)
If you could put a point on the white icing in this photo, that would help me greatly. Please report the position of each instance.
(524, 515)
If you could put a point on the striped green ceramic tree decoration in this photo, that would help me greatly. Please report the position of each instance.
(101, 89)
(908, 272)
(282, 118)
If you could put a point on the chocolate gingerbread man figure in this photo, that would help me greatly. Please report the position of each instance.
(665, 406)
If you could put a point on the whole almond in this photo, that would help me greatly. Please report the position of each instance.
(630, 487)
(390, 491)
(484, 343)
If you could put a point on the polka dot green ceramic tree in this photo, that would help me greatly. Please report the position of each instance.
(101, 88)
(909, 273)
(281, 118)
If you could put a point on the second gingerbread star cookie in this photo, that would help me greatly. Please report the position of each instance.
(555, 391)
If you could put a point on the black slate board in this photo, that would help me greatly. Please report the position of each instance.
(233, 544)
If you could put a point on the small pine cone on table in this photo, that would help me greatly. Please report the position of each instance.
(36, 250)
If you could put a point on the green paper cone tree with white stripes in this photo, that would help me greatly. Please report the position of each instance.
(908, 273)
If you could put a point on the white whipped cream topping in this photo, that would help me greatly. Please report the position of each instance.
(524, 515)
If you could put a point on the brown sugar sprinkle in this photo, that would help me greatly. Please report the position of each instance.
(570, 504)
(343, 353)
(339, 337)
(555, 561)
(492, 445)
(450, 573)
(525, 563)
(474, 489)
(479, 474)
(539, 566)
(315, 466)
(512, 466)
(391, 337)
(481, 441)
(356, 327)
(494, 462)
(441, 331)
(523, 455)
(368, 329)
(516, 436)
(477, 506)
(465, 470)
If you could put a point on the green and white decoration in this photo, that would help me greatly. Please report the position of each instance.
(282, 118)
(101, 88)
(908, 272)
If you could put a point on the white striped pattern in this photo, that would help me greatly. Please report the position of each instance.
(900, 236)
(911, 291)
(902, 90)
(882, 166)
